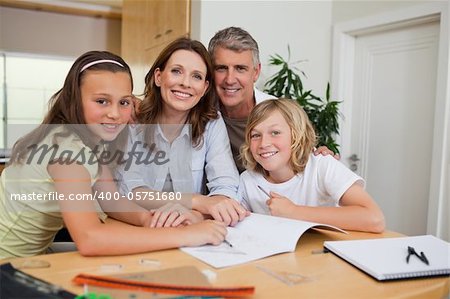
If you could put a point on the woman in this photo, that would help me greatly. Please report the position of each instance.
(178, 116)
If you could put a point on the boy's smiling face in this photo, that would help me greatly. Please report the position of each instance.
(270, 145)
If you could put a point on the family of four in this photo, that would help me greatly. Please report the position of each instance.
(202, 111)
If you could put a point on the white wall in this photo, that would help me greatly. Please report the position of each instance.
(348, 10)
(304, 25)
(39, 32)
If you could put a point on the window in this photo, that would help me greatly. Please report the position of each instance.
(28, 82)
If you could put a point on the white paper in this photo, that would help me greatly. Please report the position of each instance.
(255, 237)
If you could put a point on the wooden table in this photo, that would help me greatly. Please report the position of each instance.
(327, 276)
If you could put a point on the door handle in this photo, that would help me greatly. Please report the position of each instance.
(354, 158)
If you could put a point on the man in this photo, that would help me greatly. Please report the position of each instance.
(237, 67)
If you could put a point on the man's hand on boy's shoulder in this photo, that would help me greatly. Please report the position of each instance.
(324, 151)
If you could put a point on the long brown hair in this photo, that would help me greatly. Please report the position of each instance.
(65, 106)
(152, 105)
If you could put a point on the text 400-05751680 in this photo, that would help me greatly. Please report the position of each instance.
(154, 195)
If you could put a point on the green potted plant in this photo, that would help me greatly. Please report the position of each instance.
(323, 113)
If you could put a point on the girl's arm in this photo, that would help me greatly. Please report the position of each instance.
(127, 210)
(117, 206)
(358, 211)
(93, 237)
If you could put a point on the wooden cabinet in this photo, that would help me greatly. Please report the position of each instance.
(167, 20)
(147, 27)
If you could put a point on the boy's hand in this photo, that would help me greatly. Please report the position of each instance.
(279, 205)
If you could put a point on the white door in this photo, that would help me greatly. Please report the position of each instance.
(392, 121)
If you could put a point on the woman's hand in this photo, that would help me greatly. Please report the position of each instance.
(174, 214)
(222, 208)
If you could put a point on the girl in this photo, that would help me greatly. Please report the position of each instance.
(64, 161)
(284, 179)
(180, 104)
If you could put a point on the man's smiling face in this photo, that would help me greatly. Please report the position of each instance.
(235, 75)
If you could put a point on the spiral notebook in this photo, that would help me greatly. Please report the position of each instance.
(387, 258)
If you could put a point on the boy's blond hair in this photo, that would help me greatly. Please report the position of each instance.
(302, 133)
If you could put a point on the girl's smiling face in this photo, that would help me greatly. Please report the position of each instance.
(106, 99)
(270, 145)
(182, 82)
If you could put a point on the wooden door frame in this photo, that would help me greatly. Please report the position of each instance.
(342, 76)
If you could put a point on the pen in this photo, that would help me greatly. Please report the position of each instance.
(422, 257)
(410, 251)
(228, 243)
(265, 192)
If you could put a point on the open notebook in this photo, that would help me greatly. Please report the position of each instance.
(386, 258)
(257, 236)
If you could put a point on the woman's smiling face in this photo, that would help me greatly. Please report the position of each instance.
(182, 82)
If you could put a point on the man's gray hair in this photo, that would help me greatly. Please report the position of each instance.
(235, 39)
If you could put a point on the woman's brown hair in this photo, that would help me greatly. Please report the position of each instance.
(205, 110)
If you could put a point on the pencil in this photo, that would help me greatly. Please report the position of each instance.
(228, 243)
(265, 192)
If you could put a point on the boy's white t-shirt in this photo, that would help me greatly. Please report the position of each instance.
(323, 183)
